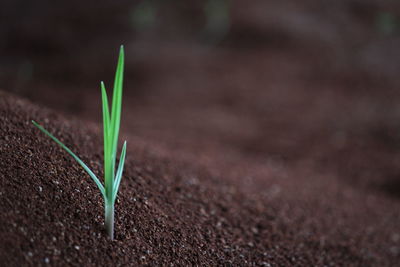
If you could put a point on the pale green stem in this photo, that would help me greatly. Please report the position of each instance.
(109, 219)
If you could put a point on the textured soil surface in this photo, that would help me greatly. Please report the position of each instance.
(176, 210)
(277, 146)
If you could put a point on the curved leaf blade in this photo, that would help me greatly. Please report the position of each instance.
(118, 176)
(86, 168)
(117, 103)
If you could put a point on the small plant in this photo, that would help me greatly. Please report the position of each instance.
(111, 125)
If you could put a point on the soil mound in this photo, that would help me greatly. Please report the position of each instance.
(172, 211)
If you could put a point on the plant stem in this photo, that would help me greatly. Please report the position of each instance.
(109, 219)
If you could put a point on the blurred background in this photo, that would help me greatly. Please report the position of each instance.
(293, 81)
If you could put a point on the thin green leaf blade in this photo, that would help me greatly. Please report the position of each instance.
(108, 165)
(86, 168)
(117, 102)
(118, 176)
(115, 119)
(106, 112)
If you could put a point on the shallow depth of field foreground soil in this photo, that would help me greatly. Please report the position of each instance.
(276, 144)
(174, 211)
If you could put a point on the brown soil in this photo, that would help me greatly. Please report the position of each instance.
(278, 147)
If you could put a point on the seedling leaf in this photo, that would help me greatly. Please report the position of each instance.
(118, 176)
(91, 174)
(111, 126)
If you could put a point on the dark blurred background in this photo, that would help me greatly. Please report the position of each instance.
(75, 41)
(282, 79)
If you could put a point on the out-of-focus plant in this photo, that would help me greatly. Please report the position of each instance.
(217, 19)
(387, 23)
(149, 15)
(144, 15)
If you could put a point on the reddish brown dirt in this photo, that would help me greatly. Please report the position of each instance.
(278, 147)
(175, 211)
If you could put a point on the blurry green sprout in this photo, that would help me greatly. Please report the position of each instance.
(387, 23)
(144, 15)
(217, 19)
(111, 125)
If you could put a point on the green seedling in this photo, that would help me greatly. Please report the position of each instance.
(111, 125)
